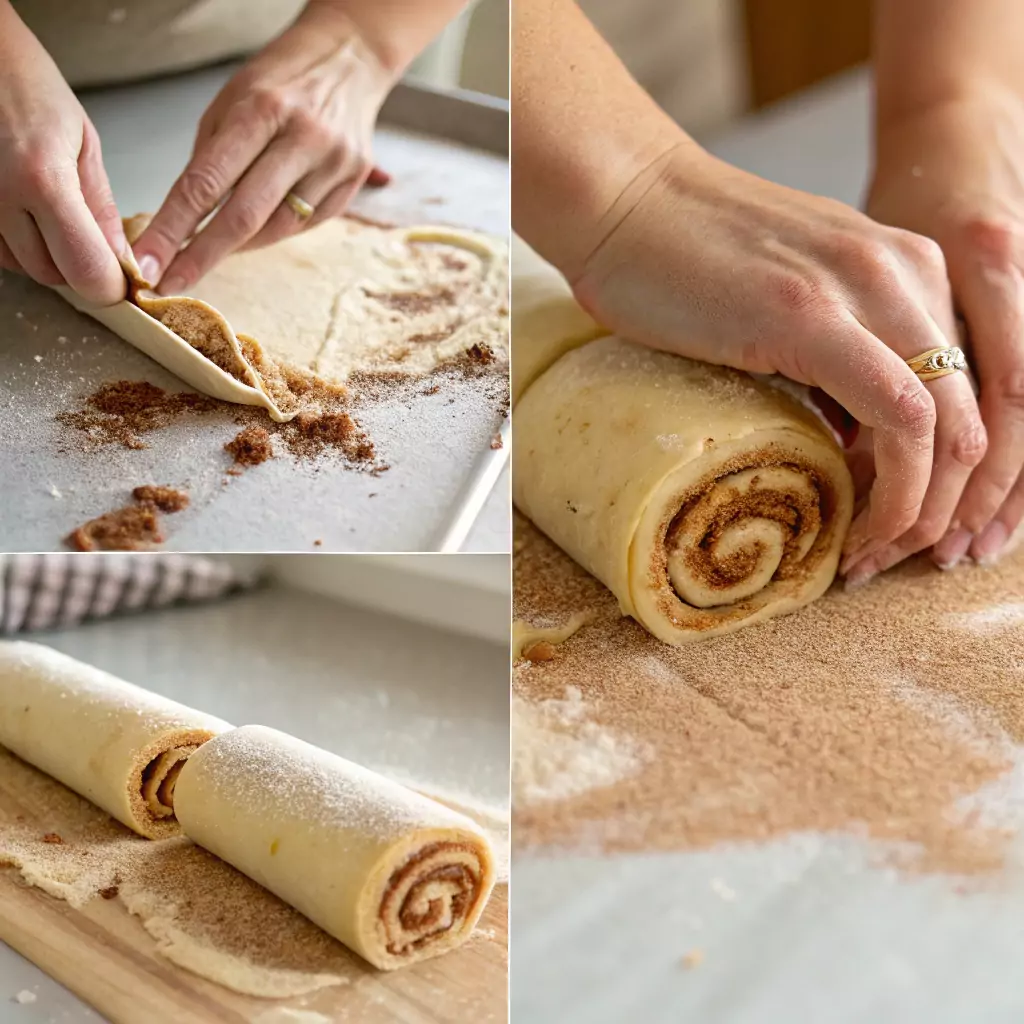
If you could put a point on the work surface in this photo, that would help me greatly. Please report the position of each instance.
(434, 444)
(804, 927)
(420, 704)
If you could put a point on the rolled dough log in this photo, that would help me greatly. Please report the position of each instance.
(547, 321)
(394, 876)
(704, 500)
(113, 743)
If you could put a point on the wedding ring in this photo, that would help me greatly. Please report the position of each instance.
(938, 362)
(299, 206)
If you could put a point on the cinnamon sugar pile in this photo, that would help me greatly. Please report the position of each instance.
(131, 528)
(250, 447)
(120, 412)
(871, 713)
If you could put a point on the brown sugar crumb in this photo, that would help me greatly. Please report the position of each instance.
(250, 447)
(132, 528)
(433, 389)
(110, 892)
(318, 543)
(693, 959)
(496, 443)
(480, 353)
(53, 838)
(543, 650)
(120, 412)
(311, 434)
(166, 499)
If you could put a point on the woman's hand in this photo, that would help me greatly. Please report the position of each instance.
(58, 220)
(954, 171)
(700, 258)
(298, 118)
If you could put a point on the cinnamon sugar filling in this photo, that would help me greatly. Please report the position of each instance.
(431, 894)
(160, 777)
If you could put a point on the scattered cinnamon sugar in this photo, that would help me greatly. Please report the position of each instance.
(53, 838)
(120, 412)
(250, 447)
(166, 499)
(318, 543)
(311, 434)
(496, 443)
(132, 528)
(846, 716)
(481, 353)
(413, 303)
(109, 892)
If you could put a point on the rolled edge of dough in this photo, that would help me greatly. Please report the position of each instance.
(393, 875)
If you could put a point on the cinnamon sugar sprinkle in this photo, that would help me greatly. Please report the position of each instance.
(250, 447)
(894, 712)
(131, 528)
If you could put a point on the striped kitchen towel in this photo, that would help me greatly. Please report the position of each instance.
(55, 591)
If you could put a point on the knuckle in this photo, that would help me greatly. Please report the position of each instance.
(970, 444)
(993, 240)
(269, 104)
(798, 293)
(867, 259)
(913, 408)
(243, 218)
(200, 188)
(1011, 389)
(900, 522)
(924, 251)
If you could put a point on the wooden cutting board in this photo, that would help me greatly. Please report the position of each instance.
(104, 955)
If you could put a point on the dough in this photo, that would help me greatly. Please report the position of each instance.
(394, 876)
(348, 296)
(703, 499)
(525, 635)
(113, 743)
(344, 297)
(546, 320)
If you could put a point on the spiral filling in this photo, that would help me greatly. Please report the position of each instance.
(159, 778)
(434, 892)
(744, 531)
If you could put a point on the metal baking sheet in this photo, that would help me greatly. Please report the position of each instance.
(439, 491)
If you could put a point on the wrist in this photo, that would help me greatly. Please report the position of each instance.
(373, 43)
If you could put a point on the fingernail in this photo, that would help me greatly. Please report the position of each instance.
(860, 555)
(150, 269)
(952, 549)
(990, 543)
(861, 573)
(173, 285)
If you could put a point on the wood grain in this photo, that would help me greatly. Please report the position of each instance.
(103, 954)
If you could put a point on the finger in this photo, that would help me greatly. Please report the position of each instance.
(255, 199)
(993, 304)
(215, 167)
(75, 242)
(27, 248)
(319, 189)
(880, 390)
(99, 196)
(959, 447)
(991, 543)
(8, 260)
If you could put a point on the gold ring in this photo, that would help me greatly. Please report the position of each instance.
(299, 206)
(938, 362)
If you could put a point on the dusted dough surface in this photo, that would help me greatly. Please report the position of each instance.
(547, 321)
(704, 500)
(394, 876)
(98, 734)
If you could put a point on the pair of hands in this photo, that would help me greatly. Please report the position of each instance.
(779, 281)
(297, 118)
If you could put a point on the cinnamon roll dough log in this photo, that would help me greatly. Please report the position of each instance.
(393, 875)
(113, 743)
(703, 499)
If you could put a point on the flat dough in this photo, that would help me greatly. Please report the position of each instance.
(547, 321)
(703, 499)
(113, 743)
(525, 635)
(393, 875)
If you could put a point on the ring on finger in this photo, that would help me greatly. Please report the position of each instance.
(299, 206)
(938, 362)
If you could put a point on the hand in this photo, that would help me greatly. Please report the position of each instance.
(955, 172)
(58, 220)
(297, 118)
(702, 259)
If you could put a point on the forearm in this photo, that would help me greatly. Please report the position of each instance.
(396, 30)
(584, 131)
(927, 52)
